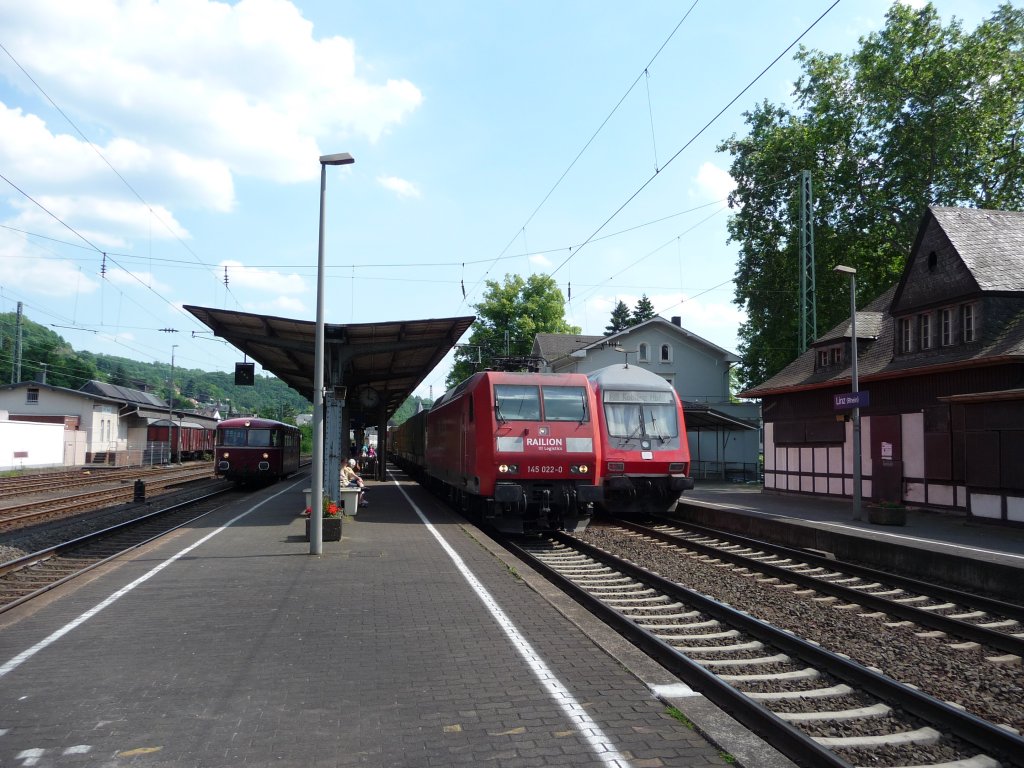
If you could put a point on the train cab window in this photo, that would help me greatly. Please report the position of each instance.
(636, 414)
(565, 404)
(232, 437)
(516, 402)
(259, 438)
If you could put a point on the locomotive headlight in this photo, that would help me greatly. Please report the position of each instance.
(616, 466)
(508, 469)
(645, 445)
(579, 469)
(266, 455)
(226, 454)
(677, 467)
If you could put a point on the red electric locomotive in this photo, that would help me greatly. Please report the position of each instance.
(645, 457)
(518, 450)
(255, 451)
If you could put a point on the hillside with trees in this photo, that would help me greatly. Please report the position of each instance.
(44, 351)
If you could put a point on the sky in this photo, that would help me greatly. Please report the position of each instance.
(161, 154)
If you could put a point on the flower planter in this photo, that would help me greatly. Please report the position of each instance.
(331, 530)
(887, 515)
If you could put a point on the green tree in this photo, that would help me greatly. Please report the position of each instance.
(620, 320)
(643, 311)
(43, 350)
(508, 318)
(920, 114)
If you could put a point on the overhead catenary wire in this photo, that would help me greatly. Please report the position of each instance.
(697, 135)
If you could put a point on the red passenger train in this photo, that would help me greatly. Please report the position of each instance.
(645, 457)
(517, 450)
(255, 451)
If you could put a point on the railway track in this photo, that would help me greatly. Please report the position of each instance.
(43, 482)
(815, 706)
(30, 511)
(36, 573)
(941, 610)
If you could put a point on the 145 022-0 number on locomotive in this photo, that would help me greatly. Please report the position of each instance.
(529, 452)
(516, 450)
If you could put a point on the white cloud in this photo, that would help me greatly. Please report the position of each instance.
(25, 271)
(541, 261)
(247, 85)
(286, 306)
(400, 187)
(714, 182)
(137, 280)
(259, 279)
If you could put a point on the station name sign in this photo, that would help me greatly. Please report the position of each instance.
(848, 400)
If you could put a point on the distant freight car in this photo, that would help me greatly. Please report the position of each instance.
(188, 440)
(645, 457)
(251, 451)
(516, 450)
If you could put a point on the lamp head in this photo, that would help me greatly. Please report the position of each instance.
(844, 270)
(342, 158)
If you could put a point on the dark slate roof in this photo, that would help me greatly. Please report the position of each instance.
(991, 244)
(124, 394)
(552, 346)
(52, 388)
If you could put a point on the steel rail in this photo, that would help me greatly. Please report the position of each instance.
(1010, 610)
(89, 538)
(958, 627)
(987, 736)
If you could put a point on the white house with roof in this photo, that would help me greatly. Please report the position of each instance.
(91, 424)
(724, 435)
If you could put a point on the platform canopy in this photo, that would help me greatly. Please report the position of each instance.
(378, 364)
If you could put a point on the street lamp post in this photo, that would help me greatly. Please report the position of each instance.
(316, 544)
(855, 388)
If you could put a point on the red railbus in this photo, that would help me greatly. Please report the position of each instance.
(254, 451)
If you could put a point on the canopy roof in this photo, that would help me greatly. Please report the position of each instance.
(389, 358)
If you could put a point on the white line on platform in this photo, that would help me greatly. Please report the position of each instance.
(591, 731)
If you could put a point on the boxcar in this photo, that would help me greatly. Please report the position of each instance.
(255, 451)
(188, 439)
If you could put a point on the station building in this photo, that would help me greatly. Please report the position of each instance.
(941, 359)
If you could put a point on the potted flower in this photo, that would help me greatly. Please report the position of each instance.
(331, 522)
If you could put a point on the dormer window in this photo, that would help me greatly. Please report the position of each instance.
(831, 356)
(946, 326)
(967, 321)
(924, 326)
(906, 335)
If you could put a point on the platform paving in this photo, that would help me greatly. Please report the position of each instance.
(228, 644)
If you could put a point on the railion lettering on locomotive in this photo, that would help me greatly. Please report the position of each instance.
(546, 443)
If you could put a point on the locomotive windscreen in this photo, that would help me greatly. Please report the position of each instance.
(640, 414)
(516, 402)
(565, 404)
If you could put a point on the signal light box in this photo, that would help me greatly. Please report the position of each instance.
(245, 374)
